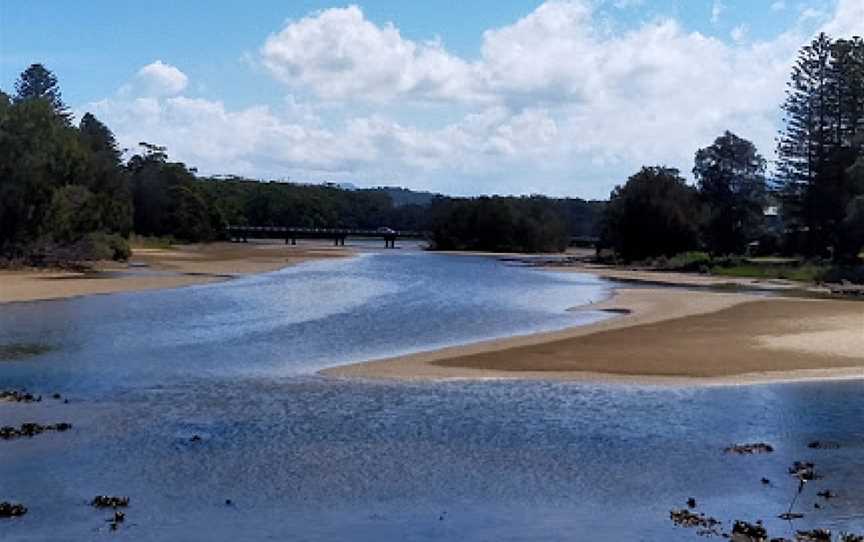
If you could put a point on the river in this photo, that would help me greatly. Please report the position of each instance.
(305, 457)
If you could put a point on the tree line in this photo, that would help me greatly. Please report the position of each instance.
(813, 207)
(67, 195)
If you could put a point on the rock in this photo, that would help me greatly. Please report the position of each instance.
(691, 502)
(31, 430)
(749, 532)
(816, 535)
(15, 396)
(55, 396)
(804, 471)
(788, 516)
(228, 502)
(195, 438)
(104, 501)
(827, 494)
(823, 445)
(766, 481)
(12, 510)
(684, 518)
(749, 449)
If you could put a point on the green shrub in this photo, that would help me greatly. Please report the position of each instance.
(840, 273)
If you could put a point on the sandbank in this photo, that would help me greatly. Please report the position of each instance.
(665, 336)
(150, 268)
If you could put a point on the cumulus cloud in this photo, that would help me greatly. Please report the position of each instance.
(158, 79)
(553, 103)
(340, 54)
(780, 5)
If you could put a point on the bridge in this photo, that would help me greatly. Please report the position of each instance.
(338, 235)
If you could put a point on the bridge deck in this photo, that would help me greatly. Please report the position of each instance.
(291, 234)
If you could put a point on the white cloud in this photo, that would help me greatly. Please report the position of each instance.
(779, 5)
(717, 10)
(739, 33)
(847, 21)
(340, 54)
(552, 104)
(158, 79)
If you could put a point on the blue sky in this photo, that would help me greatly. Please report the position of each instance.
(473, 114)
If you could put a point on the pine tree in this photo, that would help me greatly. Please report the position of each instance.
(39, 83)
(824, 111)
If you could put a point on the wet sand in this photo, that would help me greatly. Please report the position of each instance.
(669, 336)
(180, 265)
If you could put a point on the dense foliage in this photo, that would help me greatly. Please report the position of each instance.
(655, 213)
(822, 139)
(820, 187)
(731, 179)
(530, 224)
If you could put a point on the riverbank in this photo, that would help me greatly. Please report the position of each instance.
(663, 336)
(156, 268)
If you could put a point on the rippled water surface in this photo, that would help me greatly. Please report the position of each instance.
(309, 458)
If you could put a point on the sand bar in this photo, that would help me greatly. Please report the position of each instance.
(670, 336)
(180, 265)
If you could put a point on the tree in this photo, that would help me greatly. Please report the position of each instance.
(731, 180)
(655, 213)
(39, 83)
(824, 109)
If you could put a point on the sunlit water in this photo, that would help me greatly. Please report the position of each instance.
(304, 457)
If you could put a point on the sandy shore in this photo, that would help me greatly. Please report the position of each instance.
(669, 336)
(181, 265)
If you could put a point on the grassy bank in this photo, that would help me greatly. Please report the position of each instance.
(764, 268)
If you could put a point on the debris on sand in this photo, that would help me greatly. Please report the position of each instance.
(12, 510)
(827, 494)
(750, 449)
(104, 501)
(31, 430)
(15, 396)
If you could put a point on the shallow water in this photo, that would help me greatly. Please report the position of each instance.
(309, 458)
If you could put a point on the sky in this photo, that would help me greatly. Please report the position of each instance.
(563, 97)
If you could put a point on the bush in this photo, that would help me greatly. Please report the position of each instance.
(107, 246)
(840, 273)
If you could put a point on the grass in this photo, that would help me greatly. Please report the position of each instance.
(18, 351)
(142, 241)
(805, 272)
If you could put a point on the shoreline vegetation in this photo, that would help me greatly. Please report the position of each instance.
(169, 266)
